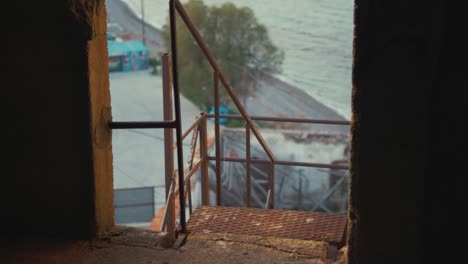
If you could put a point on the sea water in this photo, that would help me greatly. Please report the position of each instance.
(316, 36)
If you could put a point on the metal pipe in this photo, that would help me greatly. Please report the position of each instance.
(205, 185)
(192, 171)
(187, 132)
(313, 165)
(286, 119)
(175, 76)
(193, 145)
(247, 165)
(217, 138)
(188, 176)
(142, 124)
(168, 139)
(133, 205)
(286, 163)
(141, 187)
(198, 38)
(168, 198)
(267, 204)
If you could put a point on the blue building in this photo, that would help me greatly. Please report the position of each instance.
(127, 56)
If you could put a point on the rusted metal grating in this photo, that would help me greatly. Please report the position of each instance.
(302, 225)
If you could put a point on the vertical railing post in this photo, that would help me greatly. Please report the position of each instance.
(193, 146)
(247, 165)
(205, 185)
(217, 138)
(168, 139)
(178, 118)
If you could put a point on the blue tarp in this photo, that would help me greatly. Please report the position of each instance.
(223, 111)
(127, 55)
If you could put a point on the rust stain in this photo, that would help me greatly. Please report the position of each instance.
(269, 223)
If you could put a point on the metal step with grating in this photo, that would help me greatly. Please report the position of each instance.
(301, 225)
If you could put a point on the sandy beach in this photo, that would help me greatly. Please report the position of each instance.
(273, 96)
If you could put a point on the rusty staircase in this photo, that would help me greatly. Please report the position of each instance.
(267, 221)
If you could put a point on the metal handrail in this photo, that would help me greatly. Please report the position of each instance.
(184, 177)
(175, 81)
(195, 123)
(165, 215)
(189, 175)
(267, 203)
(142, 124)
(203, 46)
(192, 168)
(285, 163)
(174, 191)
(286, 119)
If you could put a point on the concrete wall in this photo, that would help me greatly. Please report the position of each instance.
(409, 92)
(54, 143)
(409, 96)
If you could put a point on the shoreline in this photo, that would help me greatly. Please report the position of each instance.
(270, 98)
(304, 98)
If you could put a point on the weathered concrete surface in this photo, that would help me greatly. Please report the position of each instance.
(47, 174)
(129, 245)
(100, 106)
(409, 100)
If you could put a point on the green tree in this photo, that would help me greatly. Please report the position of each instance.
(240, 44)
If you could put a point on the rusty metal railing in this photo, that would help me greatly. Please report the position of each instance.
(168, 124)
(176, 6)
(287, 119)
(198, 129)
(180, 187)
(218, 75)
